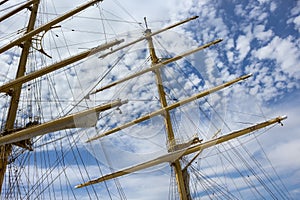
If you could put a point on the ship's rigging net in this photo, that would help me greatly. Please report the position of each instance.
(54, 163)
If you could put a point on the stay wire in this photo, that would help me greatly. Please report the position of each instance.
(251, 169)
(100, 79)
(78, 153)
(56, 97)
(97, 18)
(215, 185)
(100, 170)
(50, 170)
(247, 181)
(128, 13)
(259, 166)
(102, 21)
(115, 180)
(9, 7)
(75, 158)
(274, 170)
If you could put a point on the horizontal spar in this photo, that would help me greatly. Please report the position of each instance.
(158, 65)
(38, 73)
(152, 34)
(170, 107)
(173, 156)
(83, 119)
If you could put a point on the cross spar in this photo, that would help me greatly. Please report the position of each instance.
(171, 157)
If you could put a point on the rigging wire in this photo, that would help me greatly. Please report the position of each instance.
(173, 190)
(259, 166)
(58, 161)
(9, 7)
(269, 178)
(115, 180)
(36, 190)
(35, 161)
(78, 153)
(275, 172)
(97, 18)
(91, 147)
(213, 185)
(102, 22)
(128, 13)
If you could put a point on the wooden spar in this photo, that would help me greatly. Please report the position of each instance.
(171, 157)
(233, 135)
(18, 9)
(172, 106)
(152, 34)
(47, 26)
(83, 119)
(7, 87)
(158, 65)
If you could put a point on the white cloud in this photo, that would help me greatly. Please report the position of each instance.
(273, 6)
(283, 158)
(243, 46)
(260, 33)
(263, 1)
(294, 18)
(296, 22)
(296, 9)
(238, 9)
(284, 51)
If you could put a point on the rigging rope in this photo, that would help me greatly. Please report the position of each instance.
(9, 7)
(128, 13)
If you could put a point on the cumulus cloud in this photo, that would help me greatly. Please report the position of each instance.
(284, 51)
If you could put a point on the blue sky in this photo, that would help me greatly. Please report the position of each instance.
(259, 37)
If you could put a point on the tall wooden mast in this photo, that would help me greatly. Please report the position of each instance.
(16, 92)
(167, 118)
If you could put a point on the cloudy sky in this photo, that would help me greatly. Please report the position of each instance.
(259, 37)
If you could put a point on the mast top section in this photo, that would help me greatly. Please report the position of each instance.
(48, 25)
